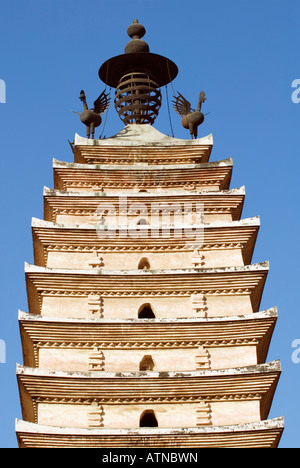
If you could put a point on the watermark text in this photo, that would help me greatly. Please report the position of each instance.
(296, 353)
(2, 92)
(296, 94)
(2, 352)
(132, 459)
(154, 220)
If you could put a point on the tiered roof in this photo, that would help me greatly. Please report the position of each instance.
(97, 177)
(157, 148)
(141, 158)
(243, 330)
(48, 236)
(263, 434)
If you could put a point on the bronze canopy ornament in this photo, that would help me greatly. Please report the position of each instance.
(137, 76)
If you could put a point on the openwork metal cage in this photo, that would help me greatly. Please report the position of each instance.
(137, 76)
(137, 98)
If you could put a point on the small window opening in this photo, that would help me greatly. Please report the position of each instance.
(142, 222)
(145, 311)
(148, 419)
(144, 264)
(147, 363)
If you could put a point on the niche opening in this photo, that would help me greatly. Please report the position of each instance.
(147, 363)
(145, 311)
(148, 419)
(144, 264)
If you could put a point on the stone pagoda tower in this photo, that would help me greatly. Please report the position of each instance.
(144, 326)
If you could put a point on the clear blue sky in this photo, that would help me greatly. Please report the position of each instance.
(244, 55)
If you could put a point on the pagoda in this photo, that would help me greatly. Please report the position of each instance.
(144, 326)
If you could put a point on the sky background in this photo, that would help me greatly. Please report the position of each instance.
(244, 55)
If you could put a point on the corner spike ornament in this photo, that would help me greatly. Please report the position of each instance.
(137, 76)
(191, 119)
(91, 118)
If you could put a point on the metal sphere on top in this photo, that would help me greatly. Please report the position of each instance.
(137, 76)
(136, 31)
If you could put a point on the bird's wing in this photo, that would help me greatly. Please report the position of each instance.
(102, 102)
(181, 105)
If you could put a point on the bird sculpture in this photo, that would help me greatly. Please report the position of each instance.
(91, 118)
(191, 119)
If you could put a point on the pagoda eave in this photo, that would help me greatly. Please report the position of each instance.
(59, 237)
(87, 204)
(142, 135)
(49, 226)
(61, 193)
(247, 280)
(75, 176)
(37, 331)
(141, 143)
(133, 167)
(253, 383)
(264, 434)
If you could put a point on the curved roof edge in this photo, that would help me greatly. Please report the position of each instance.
(141, 135)
(268, 313)
(64, 164)
(31, 268)
(262, 434)
(54, 192)
(272, 366)
(25, 426)
(38, 222)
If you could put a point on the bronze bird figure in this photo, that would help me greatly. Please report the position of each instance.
(91, 118)
(191, 119)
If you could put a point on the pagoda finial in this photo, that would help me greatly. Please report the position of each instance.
(137, 76)
(136, 31)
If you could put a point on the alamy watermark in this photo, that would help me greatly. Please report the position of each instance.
(154, 220)
(296, 353)
(2, 352)
(2, 92)
(146, 456)
(296, 94)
